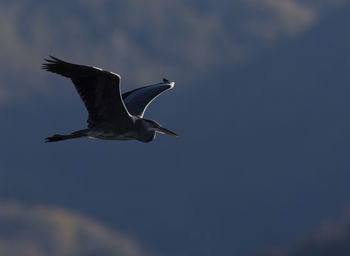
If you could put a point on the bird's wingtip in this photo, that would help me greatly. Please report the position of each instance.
(166, 81)
(54, 58)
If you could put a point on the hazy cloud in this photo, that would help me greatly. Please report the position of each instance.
(287, 17)
(51, 231)
(142, 41)
(331, 238)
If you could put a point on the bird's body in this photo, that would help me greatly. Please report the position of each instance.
(112, 116)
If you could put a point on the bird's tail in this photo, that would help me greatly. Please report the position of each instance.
(59, 137)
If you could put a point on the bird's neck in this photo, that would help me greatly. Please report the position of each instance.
(143, 131)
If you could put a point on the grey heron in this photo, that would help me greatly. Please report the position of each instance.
(112, 116)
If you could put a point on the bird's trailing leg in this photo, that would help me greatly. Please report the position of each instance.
(59, 137)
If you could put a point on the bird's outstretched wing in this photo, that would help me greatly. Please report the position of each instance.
(137, 100)
(99, 90)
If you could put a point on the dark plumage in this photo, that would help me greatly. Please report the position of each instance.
(111, 116)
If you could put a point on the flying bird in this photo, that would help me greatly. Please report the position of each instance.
(112, 115)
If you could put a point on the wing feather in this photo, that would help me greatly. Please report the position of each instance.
(98, 89)
(138, 100)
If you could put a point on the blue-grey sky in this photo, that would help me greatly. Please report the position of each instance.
(260, 103)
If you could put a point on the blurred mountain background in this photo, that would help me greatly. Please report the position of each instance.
(260, 103)
(43, 230)
(331, 238)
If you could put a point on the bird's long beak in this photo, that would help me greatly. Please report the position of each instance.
(166, 131)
